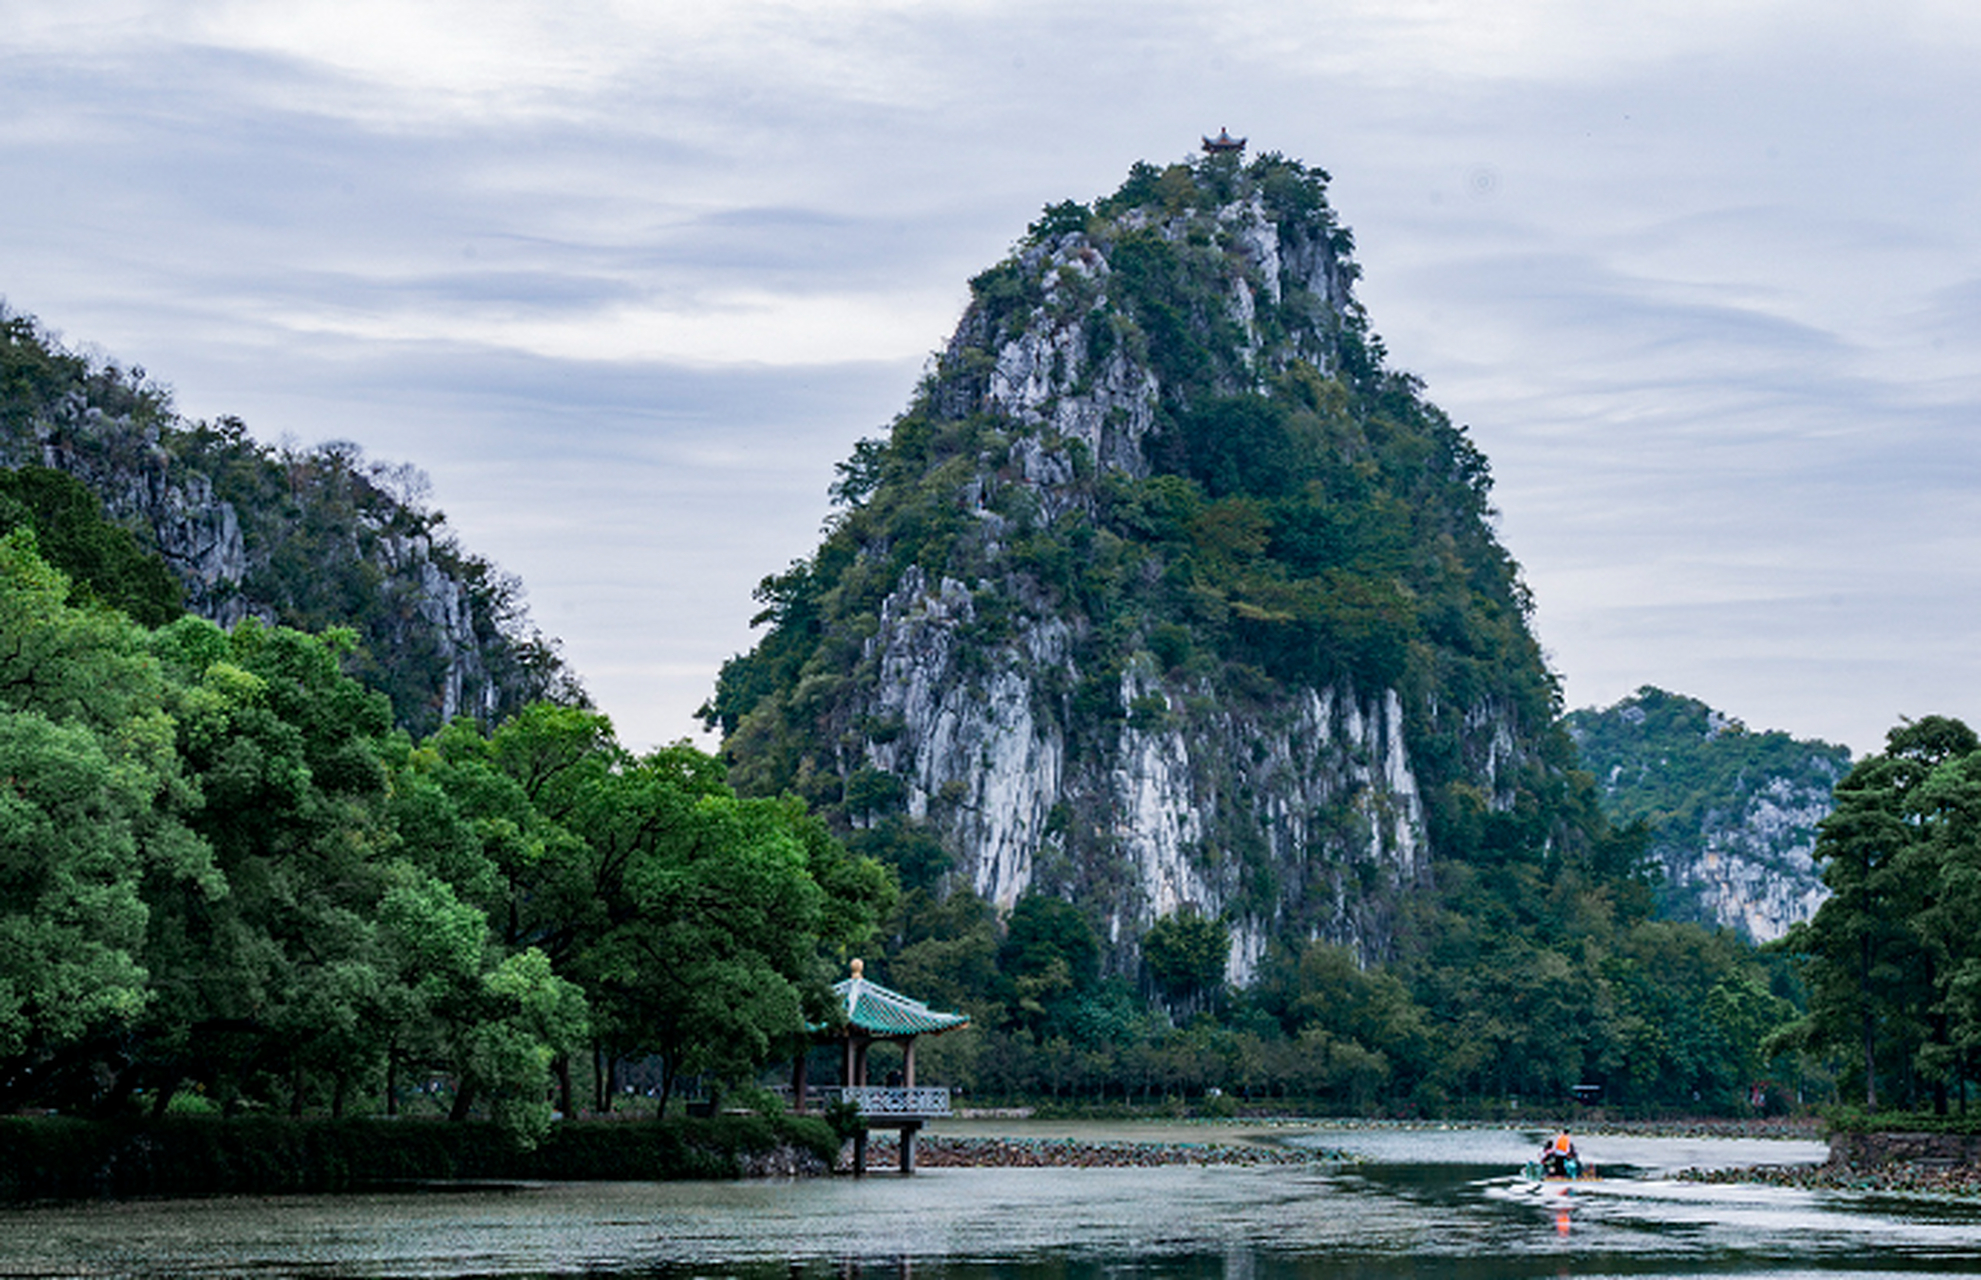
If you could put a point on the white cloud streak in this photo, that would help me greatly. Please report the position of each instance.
(1704, 277)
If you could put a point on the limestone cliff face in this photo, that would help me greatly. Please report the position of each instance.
(1750, 868)
(311, 539)
(1733, 813)
(1185, 801)
(1163, 594)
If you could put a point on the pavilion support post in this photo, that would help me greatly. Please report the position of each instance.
(908, 1063)
(798, 1081)
(860, 1152)
(908, 1132)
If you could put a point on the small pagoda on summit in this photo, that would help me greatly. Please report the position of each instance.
(1224, 143)
(875, 1014)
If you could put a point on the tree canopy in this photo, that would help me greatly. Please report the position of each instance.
(1893, 956)
(221, 868)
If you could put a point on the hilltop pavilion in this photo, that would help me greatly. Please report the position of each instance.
(1224, 143)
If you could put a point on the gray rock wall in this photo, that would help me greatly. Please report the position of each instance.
(435, 641)
(1300, 816)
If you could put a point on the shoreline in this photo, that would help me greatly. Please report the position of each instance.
(941, 1151)
(1892, 1179)
(1017, 1141)
(993, 1123)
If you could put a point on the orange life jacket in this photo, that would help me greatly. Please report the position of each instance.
(1562, 1144)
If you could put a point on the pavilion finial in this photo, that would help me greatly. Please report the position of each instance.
(859, 967)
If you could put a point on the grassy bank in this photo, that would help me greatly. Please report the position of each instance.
(54, 1158)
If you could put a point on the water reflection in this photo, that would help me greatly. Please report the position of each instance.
(1415, 1204)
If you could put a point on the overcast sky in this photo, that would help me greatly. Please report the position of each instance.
(1702, 279)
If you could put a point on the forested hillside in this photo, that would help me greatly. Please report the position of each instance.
(1164, 647)
(318, 845)
(1732, 813)
(307, 538)
(228, 885)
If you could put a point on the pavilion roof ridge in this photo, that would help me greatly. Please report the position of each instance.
(878, 1010)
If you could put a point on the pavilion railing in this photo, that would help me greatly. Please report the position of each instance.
(883, 1102)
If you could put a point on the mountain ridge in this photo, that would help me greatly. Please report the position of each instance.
(309, 538)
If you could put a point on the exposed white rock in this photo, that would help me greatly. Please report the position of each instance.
(1300, 815)
(1757, 873)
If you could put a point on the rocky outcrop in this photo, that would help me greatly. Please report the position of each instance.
(1077, 369)
(1076, 629)
(1733, 813)
(1750, 867)
(313, 539)
(1318, 783)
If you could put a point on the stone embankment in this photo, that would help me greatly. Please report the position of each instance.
(1911, 1163)
(783, 1161)
(1772, 1127)
(938, 1152)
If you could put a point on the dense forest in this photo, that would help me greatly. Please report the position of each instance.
(229, 883)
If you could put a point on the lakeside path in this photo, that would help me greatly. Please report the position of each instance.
(942, 1151)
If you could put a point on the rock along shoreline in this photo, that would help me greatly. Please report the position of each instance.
(936, 1151)
(1888, 1163)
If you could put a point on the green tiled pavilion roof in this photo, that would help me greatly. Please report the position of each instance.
(880, 1012)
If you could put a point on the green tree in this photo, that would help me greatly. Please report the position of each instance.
(277, 979)
(528, 1017)
(1950, 802)
(1049, 954)
(89, 814)
(708, 964)
(1874, 980)
(1186, 954)
(104, 562)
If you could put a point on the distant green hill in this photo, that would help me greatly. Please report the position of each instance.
(1732, 812)
(309, 538)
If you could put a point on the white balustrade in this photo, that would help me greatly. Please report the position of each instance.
(882, 1102)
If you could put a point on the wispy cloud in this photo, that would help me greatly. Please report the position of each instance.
(627, 278)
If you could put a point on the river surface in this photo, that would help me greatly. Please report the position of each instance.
(1413, 1203)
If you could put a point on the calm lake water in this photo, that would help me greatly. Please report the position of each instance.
(1417, 1203)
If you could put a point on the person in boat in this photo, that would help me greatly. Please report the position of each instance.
(1559, 1158)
